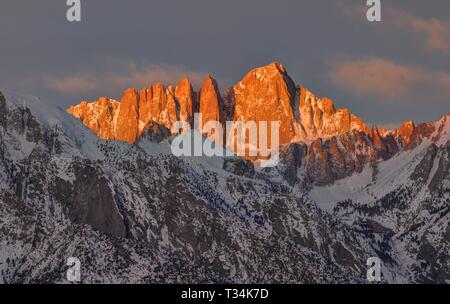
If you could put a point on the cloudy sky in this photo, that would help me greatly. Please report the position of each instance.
(386, 72)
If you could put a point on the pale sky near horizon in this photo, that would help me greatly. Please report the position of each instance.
(385, 72)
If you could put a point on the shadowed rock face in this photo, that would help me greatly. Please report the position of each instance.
(421, 132)
(326, 161)
(154, 132)
(441, 179)
(239, 166)
(2, 110)
(423, 170)
(294, 154)
(90, 200)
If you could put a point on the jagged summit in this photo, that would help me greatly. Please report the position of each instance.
(271, 69)
(320, 119)
(210, 101)
(265, 94)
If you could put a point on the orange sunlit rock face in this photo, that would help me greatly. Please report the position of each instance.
(264, 94)
(97, 116)
(319, 117)
(129, 118)
(127, 126)
(185, 95)
(267, 94)
(145, 101)
(210, 101)
(406, 130)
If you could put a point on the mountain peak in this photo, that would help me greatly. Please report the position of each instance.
(210, 101)
(184, 82)
(270, 71)
(276, 66)
(267, 94)
(209, 78)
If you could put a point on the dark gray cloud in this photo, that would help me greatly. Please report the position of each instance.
(322, 43)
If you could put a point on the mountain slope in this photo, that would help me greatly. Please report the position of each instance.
(406, 200)
(159, 213)
(136, 213)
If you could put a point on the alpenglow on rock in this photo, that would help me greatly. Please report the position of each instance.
(128, 119)
(265, 94)
(210, 101)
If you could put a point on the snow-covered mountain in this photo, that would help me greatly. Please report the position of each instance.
(134, 213)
